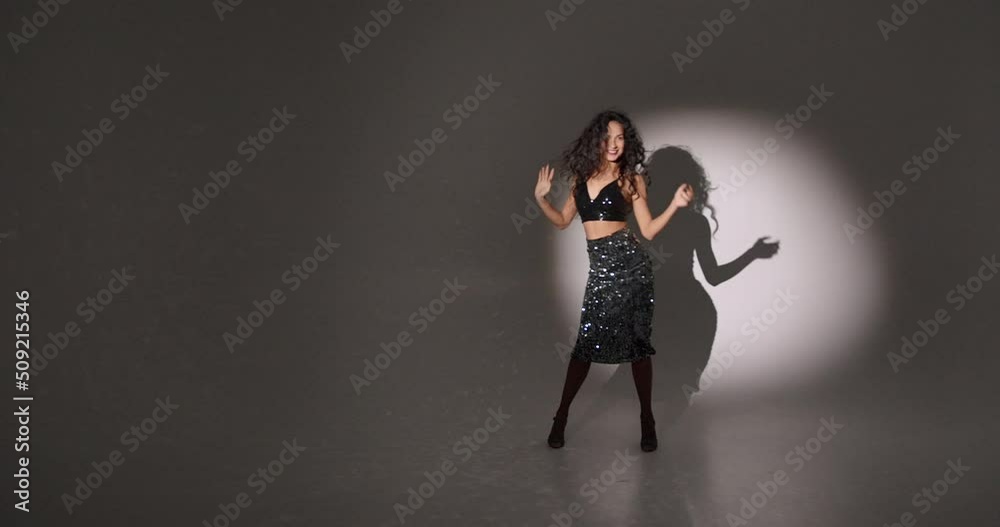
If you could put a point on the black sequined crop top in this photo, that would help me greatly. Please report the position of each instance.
(610, 204)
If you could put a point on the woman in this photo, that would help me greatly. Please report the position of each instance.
(607, 167)
(686, 317)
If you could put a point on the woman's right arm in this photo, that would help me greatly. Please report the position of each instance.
(561, 219)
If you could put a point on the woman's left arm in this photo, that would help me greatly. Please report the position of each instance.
(649, 226)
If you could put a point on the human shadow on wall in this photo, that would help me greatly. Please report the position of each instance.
(684, 317)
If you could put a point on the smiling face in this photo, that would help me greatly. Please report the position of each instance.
(614, 142)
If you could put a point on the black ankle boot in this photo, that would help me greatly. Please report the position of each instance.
(556, 439)
(648, 442)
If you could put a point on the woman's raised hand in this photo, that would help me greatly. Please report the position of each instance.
(683, 196)
(544, 184)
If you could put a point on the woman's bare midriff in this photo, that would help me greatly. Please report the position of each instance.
(600, 229)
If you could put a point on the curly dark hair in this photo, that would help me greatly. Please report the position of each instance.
(584, 156)
(677, 165)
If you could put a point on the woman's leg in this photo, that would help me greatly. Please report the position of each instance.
(642, 374)
(576, 373)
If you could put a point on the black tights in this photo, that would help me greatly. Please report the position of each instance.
(642, 374)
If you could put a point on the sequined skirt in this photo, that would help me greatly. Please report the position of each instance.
(617, 315)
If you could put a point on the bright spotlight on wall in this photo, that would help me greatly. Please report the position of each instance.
(797, 315)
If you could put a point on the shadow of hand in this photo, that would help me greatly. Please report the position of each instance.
(763, 248)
